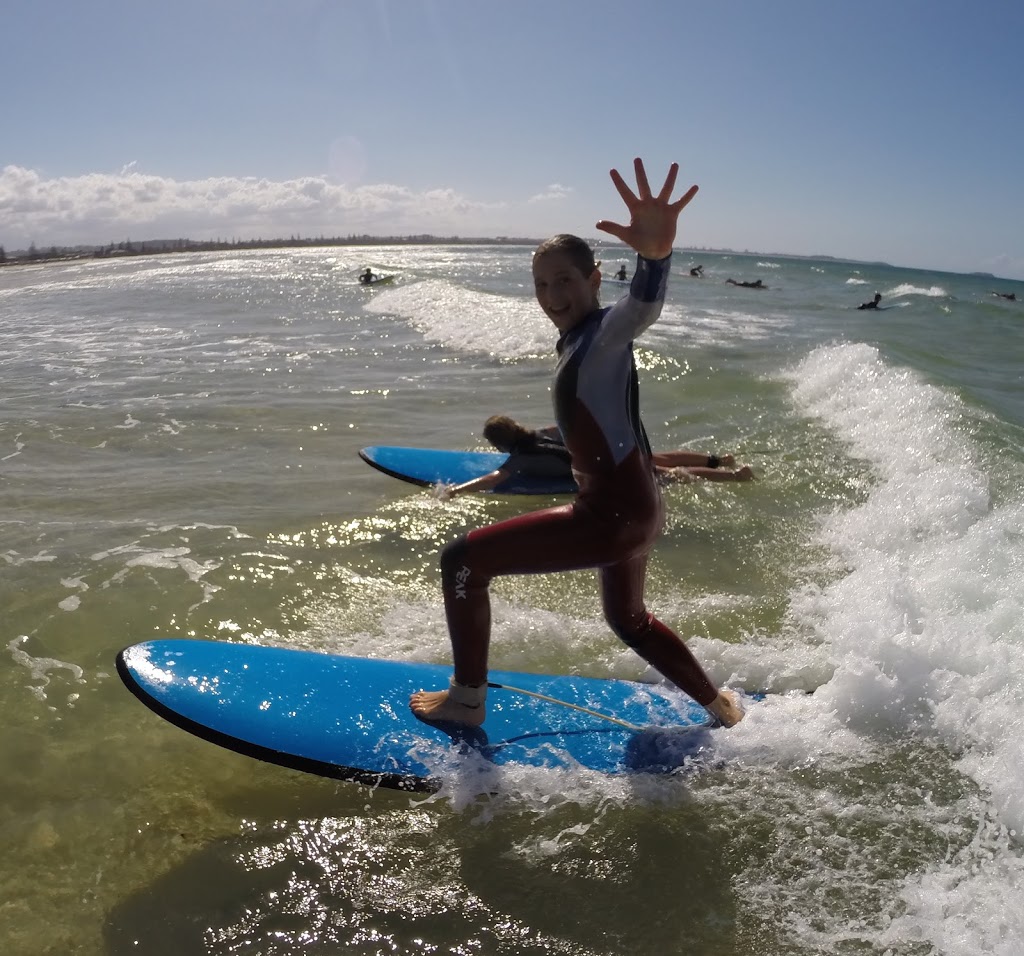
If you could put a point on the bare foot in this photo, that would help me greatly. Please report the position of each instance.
(438, 706)
(726, 707)
(726, 461)
(746, 473)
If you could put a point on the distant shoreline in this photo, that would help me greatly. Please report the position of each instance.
(34, 256)
(149, 247)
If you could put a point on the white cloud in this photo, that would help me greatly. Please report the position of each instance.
(554, 193)
(98, 208)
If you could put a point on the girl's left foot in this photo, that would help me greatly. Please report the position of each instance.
(459, 704)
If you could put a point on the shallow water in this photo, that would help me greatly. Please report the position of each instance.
(178, 447)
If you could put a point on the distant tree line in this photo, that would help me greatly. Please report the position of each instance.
(164, 246)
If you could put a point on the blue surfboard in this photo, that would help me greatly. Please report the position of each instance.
(433, 466)
(348, 717)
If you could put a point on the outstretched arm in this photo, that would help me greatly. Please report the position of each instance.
(682, 458)
(652, 219)
(483, 483)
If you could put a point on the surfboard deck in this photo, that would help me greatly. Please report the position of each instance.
(432, 466)
(348, 717)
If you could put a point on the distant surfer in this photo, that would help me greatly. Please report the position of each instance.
(613, 522)
(697, 272)
(541, 453)
(756, 284)
(622, 275)
(1011, 296)
(873, 303)
(367, 277)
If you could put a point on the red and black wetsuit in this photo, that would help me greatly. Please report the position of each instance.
(614, 520)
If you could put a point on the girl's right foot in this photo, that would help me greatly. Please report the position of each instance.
(726, 708)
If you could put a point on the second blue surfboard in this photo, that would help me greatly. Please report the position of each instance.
(435, 466)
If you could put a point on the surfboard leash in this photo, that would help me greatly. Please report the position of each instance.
(565, 703)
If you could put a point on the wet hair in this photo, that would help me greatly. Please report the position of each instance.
(505, 433)
(578, 251)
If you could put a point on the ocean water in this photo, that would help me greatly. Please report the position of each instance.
(178, 441)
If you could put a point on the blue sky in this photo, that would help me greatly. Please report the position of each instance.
(871, 130)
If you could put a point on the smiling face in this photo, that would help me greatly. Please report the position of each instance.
(566, 293)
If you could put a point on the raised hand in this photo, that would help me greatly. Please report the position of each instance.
(652, 219)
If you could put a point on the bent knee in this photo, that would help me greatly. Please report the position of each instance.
(453, 559)
(630, 628)
(460, 572)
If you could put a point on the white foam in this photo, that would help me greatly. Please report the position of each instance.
(129, 422)
(925, 630)
(41, 668)
(906, 288)
(504, 326)
(174, 558)
(717, 327)
(13, 558)
(969, 905)
(19, 447)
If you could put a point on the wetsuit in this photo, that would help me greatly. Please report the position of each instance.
(614, 520)
(539, 457)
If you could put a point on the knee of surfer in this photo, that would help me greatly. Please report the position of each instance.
(632, 634)
(453, 556)
(726, 708)
(455, 572)
(635, 628)
(460, 704)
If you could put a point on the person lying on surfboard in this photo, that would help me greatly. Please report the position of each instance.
(541, 453)
(533, 454)
(618, 512)
(756, 284)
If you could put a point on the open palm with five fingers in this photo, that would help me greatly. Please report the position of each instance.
(652, 219)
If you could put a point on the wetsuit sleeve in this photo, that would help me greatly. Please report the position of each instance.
(641, 306)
